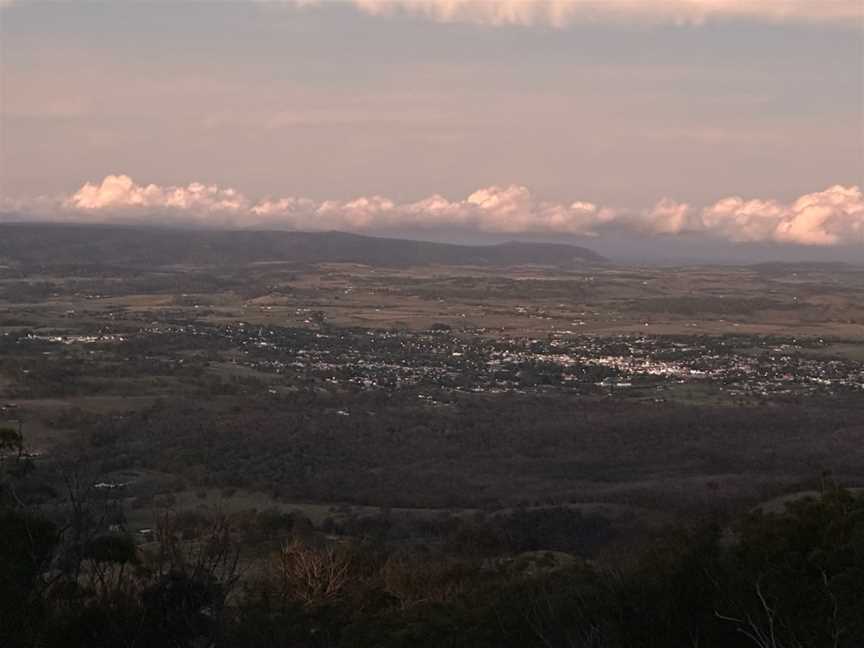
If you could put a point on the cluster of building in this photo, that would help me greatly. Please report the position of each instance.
(374, 358)
(468, 361)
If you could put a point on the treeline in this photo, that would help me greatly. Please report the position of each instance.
(778, 580)
(491, 452)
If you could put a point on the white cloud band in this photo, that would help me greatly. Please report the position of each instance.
(561, 13)
(834, 216)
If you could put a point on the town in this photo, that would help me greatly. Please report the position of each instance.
(469, 361)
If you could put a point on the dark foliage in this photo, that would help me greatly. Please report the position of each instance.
(779, 580)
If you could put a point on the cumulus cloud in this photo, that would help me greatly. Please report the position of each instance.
(121, 191)
(561, 13)
(669, 217)
(831, 217)
(511, 209)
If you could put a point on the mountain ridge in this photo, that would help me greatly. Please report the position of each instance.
(73, 243)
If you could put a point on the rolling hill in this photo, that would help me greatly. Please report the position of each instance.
(68, 244)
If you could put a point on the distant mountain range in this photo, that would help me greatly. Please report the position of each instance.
(68, 244)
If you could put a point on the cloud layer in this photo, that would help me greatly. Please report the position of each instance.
(834, 216)
(561, 13)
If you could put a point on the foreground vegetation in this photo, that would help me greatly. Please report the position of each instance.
(790, 578)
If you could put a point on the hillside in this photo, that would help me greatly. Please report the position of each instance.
(65, 244)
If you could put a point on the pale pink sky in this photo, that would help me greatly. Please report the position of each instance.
(734, 119)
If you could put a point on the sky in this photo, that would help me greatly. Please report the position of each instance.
(668, 125)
